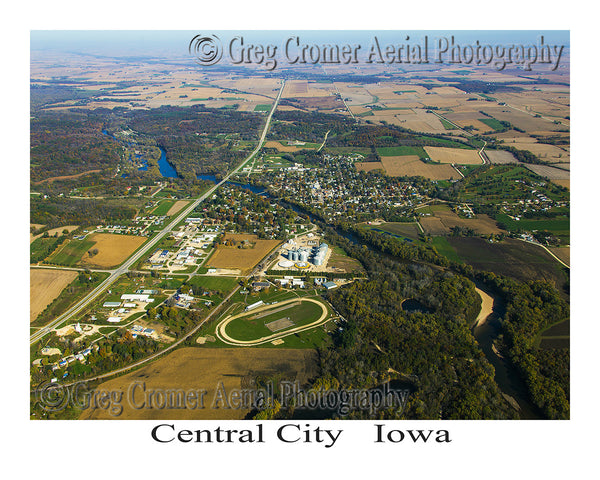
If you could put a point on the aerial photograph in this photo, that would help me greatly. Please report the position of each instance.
(299, 225)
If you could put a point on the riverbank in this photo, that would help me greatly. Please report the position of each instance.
(487, 306)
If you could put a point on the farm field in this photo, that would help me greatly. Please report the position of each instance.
(403, 229)
(461, 156)
(443, 219)
(510, 257)
(178, 205)
(53, 231)
(112, 249)
(44, 286)
(243, 259)
(500, 156)
(409, 166)
(71, 253)
(220, 284)
(208, 369)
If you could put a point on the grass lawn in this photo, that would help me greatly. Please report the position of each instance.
(262, 108)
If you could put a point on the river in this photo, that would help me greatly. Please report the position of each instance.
(506, 375)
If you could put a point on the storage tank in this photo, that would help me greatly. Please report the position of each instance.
(303, 255)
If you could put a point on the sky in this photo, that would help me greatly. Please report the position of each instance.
(169, 43)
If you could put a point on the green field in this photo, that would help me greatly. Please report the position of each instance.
(250, 328)
(403, 150)
(559, 226)
(408, 230)
(444, 248)
(493, 123)
(220, 284)
(447, 125)
(163, 208)
(262, 108)
(41, 247)
(71, 253)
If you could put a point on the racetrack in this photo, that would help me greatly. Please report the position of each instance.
(224, 337)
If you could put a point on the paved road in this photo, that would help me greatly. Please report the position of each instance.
(124, 268)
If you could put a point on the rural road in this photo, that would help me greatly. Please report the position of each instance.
(124, 268)
(480, 152)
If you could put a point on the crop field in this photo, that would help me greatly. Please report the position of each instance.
(220, 284)
(444, 248)
(44, 286)
(404, 229)
(551, 173)
(71, 253)
(244, 259)
(368, 166)
(112, 249)
(410, 166)
(461, 156)
(483, 224)
(510, 257)
(402, 150)
(163, 207)
(178, 205)
(209, 369)
(288, 148)
(500, 156)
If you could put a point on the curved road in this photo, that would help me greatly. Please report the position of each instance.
(124, 268)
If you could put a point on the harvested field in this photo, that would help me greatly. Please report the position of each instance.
(112, 249)
(482, 224)
(244, 259)
(550, 173)
(548, 153)
(210, 369)
(564, 253)
(45, 285)
(54, 231)
(178, 205)
(500, 156)
(459, 156)
(368, 166)
(412, 166)
(433, 226)
(286, 148)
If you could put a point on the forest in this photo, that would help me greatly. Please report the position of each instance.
(69, 144)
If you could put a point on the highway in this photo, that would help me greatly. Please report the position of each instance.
(124, 268)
